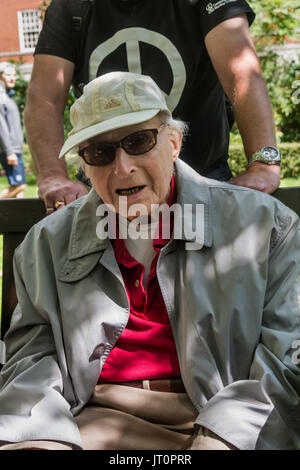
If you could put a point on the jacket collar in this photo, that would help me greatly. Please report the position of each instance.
(83, 237)
(192, 189)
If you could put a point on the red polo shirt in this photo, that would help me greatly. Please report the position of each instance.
(146, 348)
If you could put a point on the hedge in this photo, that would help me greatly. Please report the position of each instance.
(290, 165)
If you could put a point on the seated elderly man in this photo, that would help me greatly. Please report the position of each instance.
(130, 337)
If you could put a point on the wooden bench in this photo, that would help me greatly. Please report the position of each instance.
(18, 215)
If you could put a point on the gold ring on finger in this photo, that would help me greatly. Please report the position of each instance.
(58, 203)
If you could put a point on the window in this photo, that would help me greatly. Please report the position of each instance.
(30, 24)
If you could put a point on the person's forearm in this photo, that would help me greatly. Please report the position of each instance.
(50, 81)
(45, 135)
(253, 113)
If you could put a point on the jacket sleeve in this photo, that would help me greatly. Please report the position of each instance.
(32, 403)
(263, 411)
(4, 131)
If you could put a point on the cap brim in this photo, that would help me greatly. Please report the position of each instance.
(70, 146)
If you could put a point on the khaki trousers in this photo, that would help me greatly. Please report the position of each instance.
(118, 417)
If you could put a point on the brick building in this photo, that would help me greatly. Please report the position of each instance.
(20, 24)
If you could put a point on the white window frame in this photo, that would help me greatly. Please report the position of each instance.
(22, 33)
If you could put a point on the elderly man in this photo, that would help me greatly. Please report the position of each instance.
(179, 341)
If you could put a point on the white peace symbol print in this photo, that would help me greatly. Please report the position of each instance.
(131, 37)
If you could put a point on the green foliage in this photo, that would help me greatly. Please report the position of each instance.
(290, 166)
(70, 100)
(44, 5)
(282, 80)
(28, 161)
(275, 21)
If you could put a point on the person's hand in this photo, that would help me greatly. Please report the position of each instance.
(12, 159)
(260, 176)
(58, 191)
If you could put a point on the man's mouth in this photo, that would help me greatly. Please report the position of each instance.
(129, 191)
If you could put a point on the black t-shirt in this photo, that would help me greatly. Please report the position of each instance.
(160, 38)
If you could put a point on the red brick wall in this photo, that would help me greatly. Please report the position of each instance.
(9, 33)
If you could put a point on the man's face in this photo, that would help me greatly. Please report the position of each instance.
(143, 179)
(9, 77)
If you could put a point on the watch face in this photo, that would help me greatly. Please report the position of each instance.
(271, 153)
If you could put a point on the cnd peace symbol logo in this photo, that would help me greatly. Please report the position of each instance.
(132, 37)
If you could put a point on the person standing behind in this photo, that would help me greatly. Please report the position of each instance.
(195, 54)
(11, 135)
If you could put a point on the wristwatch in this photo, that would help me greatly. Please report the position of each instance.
(270, 155)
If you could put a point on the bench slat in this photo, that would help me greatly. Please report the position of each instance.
(18, 215)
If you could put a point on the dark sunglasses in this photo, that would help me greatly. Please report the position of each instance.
(103, 153)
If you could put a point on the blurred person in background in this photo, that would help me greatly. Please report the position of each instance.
(11, 134)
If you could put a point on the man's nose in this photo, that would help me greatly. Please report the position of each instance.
(124, 163)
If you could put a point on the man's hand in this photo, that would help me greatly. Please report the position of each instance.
(59, 189)
(12, 159)
(260, 176)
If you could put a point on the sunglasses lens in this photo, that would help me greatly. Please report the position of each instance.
(140, 142)
(98, 154)
(134, 144)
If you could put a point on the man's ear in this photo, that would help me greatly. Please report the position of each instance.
(175, 137)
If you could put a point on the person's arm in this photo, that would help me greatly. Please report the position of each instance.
(47, 93)
(11, 157)
(4, 131)
(233, 56)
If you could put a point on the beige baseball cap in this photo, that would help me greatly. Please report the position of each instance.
(112, 101)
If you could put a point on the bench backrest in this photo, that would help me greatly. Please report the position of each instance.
(18, 215)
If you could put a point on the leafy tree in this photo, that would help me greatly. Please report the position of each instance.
(276, 22)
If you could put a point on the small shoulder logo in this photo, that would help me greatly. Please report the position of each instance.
(210, 8)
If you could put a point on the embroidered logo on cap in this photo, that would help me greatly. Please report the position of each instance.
(111, 103)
